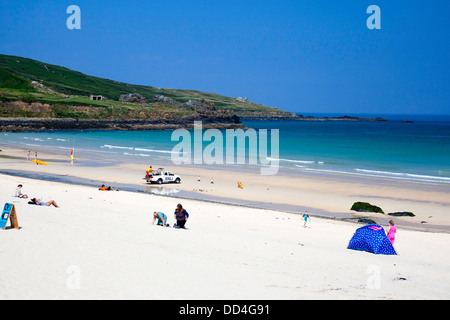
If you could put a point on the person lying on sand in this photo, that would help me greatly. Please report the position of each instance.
(162, 219)
(39, 202)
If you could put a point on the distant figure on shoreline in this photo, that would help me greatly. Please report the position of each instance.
(305, 218)
(104, 188)
(392, 231)
(149, 172)
(29, 156)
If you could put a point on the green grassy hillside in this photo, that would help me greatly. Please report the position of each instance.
(11, 81)
(33, 81)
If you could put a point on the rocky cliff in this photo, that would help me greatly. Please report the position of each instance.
(23, 116)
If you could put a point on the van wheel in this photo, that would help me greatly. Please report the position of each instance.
(160, 181)
(177, 181)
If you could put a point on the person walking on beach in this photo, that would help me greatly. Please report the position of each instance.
(392, 231)
(161, 217)
(29, 156)
(35, 157)
(305, 218)
(181, 216)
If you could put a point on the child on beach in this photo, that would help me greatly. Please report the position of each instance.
(305, 218)
(181, 216)
(162, 219)
(392, 231)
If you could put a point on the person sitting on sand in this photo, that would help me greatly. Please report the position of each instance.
(19, 193)
(162, 219)
(181, 216)
(39, 202)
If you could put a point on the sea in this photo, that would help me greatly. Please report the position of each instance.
(411, 148)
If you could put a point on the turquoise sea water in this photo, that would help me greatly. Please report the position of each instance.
(417, 151)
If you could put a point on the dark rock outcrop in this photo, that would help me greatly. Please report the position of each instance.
(39, 124)
(402, 214)
(366, 221)
(366, 207)
(296, 117)
(163, 99)
(132, 98)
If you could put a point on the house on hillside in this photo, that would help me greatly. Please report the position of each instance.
(96, 97)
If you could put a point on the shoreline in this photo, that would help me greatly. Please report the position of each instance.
(168, 192)
(323, 196)
(297, 117)
(218, 121)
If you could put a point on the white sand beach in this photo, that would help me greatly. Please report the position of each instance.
(102, 245)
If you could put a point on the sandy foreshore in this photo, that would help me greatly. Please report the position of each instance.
(328, 196)
(102, 245)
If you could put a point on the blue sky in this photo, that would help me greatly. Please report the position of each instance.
(301, 56)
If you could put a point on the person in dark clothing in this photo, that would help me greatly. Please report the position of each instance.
(181, 216)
